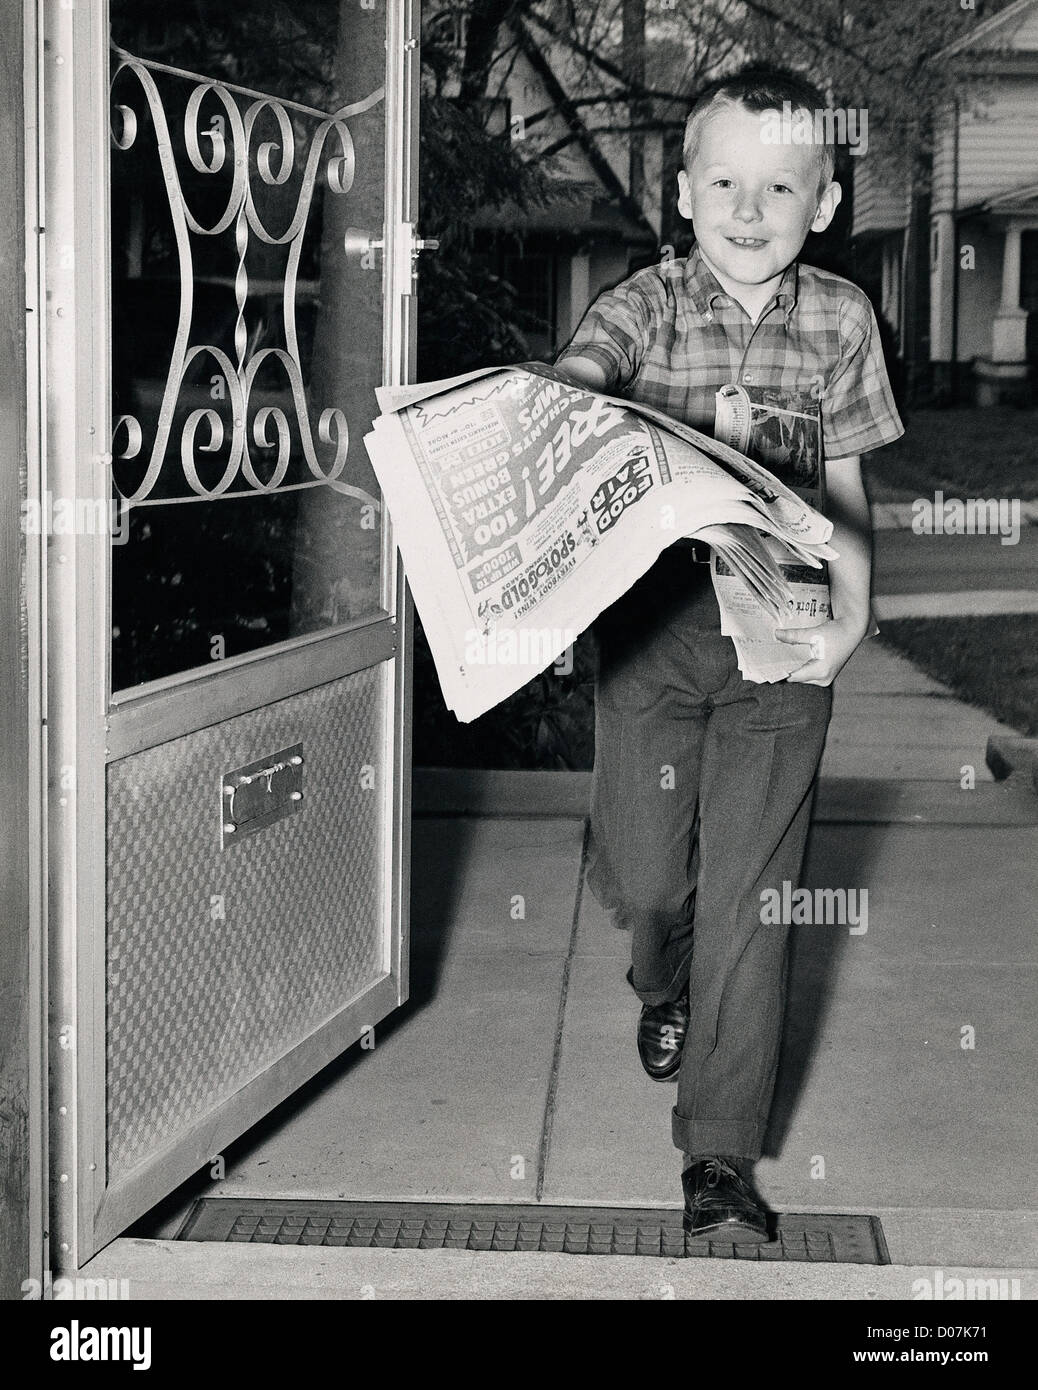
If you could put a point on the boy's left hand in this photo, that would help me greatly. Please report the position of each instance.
(832, 646)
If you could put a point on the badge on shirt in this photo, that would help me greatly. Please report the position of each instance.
(781, 430)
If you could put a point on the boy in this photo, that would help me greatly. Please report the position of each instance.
(703, 781)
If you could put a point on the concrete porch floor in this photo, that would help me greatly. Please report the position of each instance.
(511, 1074)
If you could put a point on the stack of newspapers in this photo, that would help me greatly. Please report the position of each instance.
(524, 505)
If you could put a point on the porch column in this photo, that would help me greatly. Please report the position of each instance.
(942, 303)
(1003, 376)
(1009, 328)
(942, 287)
(893, 247)
(579, 290)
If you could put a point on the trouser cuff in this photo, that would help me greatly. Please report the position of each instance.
(704, 1135)
(674, 990)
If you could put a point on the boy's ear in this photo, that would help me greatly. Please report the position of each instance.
(684, 195)
(827, 205)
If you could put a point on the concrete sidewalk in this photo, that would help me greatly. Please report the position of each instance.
(900, 516)
(892, 721)
(906, 1083)
(963, 603)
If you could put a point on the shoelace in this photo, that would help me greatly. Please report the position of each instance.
(718, 1168)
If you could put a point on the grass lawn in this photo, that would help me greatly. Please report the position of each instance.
(965, 452)
(988, 662)
(991, 663)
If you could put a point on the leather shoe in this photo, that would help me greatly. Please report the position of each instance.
(721, 1204)
(661, 1035)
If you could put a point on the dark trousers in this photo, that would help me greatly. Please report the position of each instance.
(701, 801)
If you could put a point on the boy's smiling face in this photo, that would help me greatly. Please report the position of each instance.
(752, 203)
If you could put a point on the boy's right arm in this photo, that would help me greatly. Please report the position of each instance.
(605, 351)
(581, 371)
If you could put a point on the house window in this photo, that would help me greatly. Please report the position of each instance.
(532, 276)
(496, 114)
(1029, 270)
(1029, 288)
(449, 28)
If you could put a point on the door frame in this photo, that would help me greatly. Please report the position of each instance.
(23, 1128)
(84, 730)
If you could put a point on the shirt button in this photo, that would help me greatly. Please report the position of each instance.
(708, 316)
(748, 376)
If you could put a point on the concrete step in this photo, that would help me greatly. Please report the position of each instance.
(183, 1270)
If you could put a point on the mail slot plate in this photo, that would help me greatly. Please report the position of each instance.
(260, 794)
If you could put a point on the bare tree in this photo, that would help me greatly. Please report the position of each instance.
(635, 65)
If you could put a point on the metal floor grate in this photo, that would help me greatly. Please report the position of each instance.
(565, 1230)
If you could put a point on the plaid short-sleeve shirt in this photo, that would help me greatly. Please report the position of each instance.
(671, 337)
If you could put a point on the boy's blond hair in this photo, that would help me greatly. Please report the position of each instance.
(759, 88)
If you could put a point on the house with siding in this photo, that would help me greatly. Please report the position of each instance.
(960, 264)
(614, 207)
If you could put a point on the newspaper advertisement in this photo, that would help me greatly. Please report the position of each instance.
(782, 430)
(524, 505)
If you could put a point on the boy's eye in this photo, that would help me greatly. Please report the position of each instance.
(722, 183)
(781, 188)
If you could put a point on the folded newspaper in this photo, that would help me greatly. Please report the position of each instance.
(524, 505)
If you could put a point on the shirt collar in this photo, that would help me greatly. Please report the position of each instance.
(704, 287)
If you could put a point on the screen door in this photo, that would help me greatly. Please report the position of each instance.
(227, 256)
